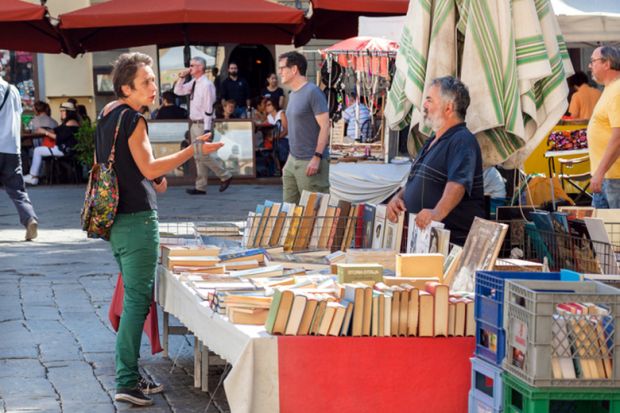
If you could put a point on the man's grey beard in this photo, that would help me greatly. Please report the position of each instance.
(435, 125)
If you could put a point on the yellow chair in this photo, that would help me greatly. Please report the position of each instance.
(579, 181)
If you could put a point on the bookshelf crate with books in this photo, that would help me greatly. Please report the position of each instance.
(490, 342)
(562, 334)
(486, 394)
(522, 398)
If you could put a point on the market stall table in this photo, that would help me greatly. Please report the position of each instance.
(329, 374)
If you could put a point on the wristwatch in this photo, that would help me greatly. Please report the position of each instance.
(318, 155)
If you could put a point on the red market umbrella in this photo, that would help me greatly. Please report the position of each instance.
(121, 23)
(364, 53)
(338, 19)
(25, 27)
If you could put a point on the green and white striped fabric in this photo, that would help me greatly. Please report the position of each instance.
(513, 60)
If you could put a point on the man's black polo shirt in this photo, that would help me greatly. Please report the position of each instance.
(238, 90)
(456, 158)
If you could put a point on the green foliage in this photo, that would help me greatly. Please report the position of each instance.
(85, 147)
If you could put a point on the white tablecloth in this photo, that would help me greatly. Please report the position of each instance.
(366, 182)
(252, 384)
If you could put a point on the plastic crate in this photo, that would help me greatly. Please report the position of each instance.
(521, 398)
(486, 387)
(489, 303)
(490, 343)
(477, 405)
(541, 338)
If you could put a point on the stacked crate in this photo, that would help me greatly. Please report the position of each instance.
(486, 389)
(562, 352)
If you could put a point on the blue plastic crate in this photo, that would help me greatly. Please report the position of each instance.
(490, 342)
(489, 304)
(487, 391)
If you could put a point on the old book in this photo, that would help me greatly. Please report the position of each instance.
(306, 318)
(328, 317)
(379, 226)
(368, 225)
(451, 264)
(319, 222)
(358, 230)
(247, 316)
(470, 321)
(451, 318)
(333, 232)
(355, 293)
(604, 254)
(419, 265)
(479, 253)
(417, 282)
(382, 256)
(318, 317)
(291, 235)
(340, 225)
(387, 324)
(339, 315)
(561, 353)
(279, 311)
(419, 239)
(367, 314)
(252, 229)
(441, 297)
(262, 224)
(413, 310)
(269, 225)
(297, 312)
(193, 261)
(394, 233)
(276, 233)
(325, 227)
(240, 265)
(206, 270)
(426, 315)
(348, 316)
(349, 273)
(187, 251)
(260, 272)
(349, 231)
(290, 212)
(604, 343)
(257, 254)
(307, 223)
(460, 316)
(403, 317)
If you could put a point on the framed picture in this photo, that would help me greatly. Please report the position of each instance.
(166, 137)
(238, 150)
(102, 78)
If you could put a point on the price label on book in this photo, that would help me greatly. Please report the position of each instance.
(519, 336)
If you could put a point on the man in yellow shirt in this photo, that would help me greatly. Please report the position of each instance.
(585, 97)
(604, 129)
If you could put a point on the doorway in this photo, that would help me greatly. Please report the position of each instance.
(255, 63)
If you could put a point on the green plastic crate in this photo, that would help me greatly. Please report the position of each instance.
(521, 398)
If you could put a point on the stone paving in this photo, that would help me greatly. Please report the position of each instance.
(56, 343)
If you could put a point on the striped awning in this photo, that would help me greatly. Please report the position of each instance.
(510, 54)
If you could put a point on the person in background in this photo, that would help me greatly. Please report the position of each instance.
(237, 89)
(62, 140)
(83, 115)
(228, 110)
(358, 125)
(277, 117)
(201, 93)
(494, 188)
(259, 113)
(134, 236)
(217, 82)
(307, 167)
(445, 182)
(604, 129)
(584, 98)
(168, 109)
(41, 118)
(273, 91)
(11, 176)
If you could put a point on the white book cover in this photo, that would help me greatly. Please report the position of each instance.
(419, 240)
(318, 224)
(379, 227)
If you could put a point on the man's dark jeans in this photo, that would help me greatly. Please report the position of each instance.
(13, 181)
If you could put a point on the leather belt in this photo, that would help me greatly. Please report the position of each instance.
(192, 121)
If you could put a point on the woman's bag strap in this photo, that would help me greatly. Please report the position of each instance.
(118, 126)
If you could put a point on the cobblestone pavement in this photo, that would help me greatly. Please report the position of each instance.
(56, 344)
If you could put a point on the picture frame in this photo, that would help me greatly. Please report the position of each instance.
(166, 137)
(102, 81)
(238, 152)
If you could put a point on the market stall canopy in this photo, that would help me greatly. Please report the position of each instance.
(588, 21)
(121, 23)
(513, 60)
(364, 53)
(338, 19)
(25, 27)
